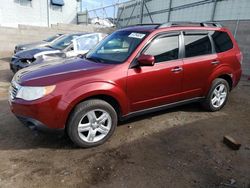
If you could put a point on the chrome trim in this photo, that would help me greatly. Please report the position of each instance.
(13, 90)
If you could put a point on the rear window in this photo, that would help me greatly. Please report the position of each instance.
(222, 41)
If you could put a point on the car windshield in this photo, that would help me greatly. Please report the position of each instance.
(117, 47)
(50, 39)
(63, 42)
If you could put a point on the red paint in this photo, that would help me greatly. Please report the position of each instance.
(146, 60)
(133, 88)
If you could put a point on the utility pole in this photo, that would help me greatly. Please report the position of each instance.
(141, 13)
(48, 19)
(80, 5)
(213, 10)
(169, 8)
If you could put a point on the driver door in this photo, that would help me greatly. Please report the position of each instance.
(151, 86)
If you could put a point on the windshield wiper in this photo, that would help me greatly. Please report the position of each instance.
(50, 46)
(96, 60)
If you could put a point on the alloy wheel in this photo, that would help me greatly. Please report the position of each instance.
(94, 125)
(219, 96)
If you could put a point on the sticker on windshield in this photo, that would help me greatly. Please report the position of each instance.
(136, 35)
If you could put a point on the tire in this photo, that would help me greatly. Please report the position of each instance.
(217, 96)
(92, 123)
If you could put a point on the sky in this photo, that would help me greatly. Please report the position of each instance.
(93, 4)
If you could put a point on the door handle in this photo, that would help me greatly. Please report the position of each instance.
(177, 69)
(215, 62)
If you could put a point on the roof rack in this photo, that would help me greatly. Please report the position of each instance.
(144, 24)
(178, 24)
(202, 24)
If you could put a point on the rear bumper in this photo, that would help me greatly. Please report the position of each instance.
(237, 77)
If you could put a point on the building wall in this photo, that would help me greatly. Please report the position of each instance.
(14, 12)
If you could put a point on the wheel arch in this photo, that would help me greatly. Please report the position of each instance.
(224, 72)
(105, 97)
(229, 80)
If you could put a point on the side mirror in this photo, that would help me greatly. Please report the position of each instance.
(146, 60)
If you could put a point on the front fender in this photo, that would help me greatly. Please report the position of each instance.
(80, 93)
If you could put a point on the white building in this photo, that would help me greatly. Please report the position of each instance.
(37, 12)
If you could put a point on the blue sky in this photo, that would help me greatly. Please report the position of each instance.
(92, 4)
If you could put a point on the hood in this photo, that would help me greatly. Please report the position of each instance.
(29, 54)
(32, 45)
(52, 72)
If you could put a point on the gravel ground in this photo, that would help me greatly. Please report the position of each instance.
(181, 147)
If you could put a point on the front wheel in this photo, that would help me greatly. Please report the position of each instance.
(217, 96)
(92, 123)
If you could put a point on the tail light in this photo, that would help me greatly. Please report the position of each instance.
(239, 57)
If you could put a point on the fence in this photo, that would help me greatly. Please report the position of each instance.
(158, 11)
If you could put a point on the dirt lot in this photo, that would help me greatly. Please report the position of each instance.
(181, 147)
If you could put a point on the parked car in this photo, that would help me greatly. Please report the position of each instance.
(27, 57)
(38, 44)
(102, 22)
(133, 71)
(81, 45)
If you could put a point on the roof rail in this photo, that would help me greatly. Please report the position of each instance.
(216, 24)
(144, 24)
(203, 24)
(147, 24)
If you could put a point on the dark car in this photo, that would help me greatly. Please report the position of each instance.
(81, 46)
(133, 71)
(24, 58)
(38, 44)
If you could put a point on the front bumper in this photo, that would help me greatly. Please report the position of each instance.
(16, 64)
(37, 125)
(49, 112)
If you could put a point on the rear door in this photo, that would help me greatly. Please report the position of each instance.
(199, 62)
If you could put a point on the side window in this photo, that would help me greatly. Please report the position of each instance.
(164, 48)
(196, 45)
(222, 41)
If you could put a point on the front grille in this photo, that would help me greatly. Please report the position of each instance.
(13, 58)
(13, 90)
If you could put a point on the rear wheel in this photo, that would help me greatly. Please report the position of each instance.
(92, 123)
(217, 96)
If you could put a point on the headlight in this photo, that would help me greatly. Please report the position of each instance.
(32, 93)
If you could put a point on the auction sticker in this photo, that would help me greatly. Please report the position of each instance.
(136, 35)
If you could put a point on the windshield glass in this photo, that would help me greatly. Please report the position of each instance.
(50, 39)
(117, 47)
(62, 43)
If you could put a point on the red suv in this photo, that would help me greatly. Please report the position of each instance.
(133, 71)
